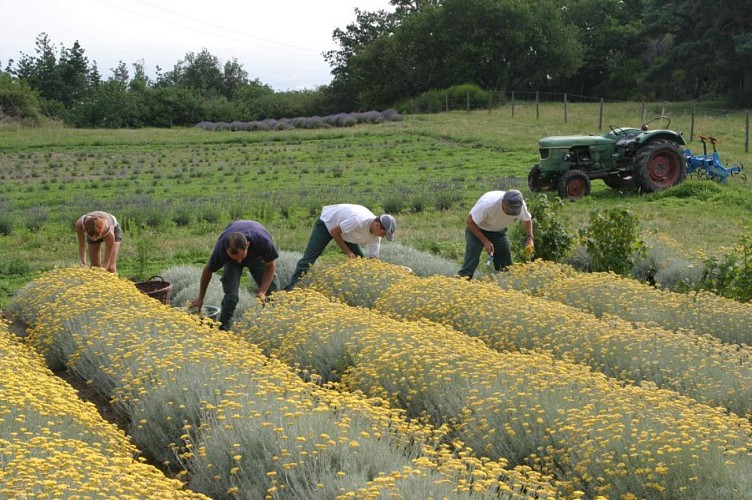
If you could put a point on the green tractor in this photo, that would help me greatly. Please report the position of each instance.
(644, 159)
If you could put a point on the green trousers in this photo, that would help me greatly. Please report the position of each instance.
(231, 273)
(320, 238)
(474, 247)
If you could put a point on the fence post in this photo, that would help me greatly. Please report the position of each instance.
(642, 112)
(490, 101)
(565, 108)
(446, 101)
(467, 98)
(513, 104)
(537, 101)
(600, 117)
(746, 133)
(692, 123)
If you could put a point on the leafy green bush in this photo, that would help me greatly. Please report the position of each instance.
(35, 217)
(612, 240)
(6, 224)
(393, 204)
(553, 240)
(438, 100)
(18, 100)
(731, 275)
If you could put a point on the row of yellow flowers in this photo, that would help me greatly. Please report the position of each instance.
(238, 424)
(608, 293)
(53, 445)
(699, 366)
(593, 433)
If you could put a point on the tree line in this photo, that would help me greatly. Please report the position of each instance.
(617, 49)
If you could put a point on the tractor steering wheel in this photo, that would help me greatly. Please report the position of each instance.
(662, 117)
(617, 130)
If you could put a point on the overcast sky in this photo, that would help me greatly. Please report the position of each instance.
(280, 42)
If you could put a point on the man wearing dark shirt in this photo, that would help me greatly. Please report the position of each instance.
(243, 243)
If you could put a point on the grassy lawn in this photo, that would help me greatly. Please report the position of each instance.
(174, 190)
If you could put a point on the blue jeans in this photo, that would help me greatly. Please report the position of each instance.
(231, 273)
(473, 248)
(320, 238)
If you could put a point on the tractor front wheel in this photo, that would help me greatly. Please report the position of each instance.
(573, 185)
(535, 179)
(659, 165)
(537, 183)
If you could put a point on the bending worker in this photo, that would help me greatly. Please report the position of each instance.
(243, 244)
(487, 229)
(350, 226)
(94, 229)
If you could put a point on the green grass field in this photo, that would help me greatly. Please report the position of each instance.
(174, 190)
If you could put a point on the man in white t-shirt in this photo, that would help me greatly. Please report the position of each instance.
(487, 229)
(350, 226)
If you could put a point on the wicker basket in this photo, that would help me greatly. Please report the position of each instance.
(157, 288)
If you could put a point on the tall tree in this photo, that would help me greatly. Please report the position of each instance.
(706, 49)
(497, 44)
(611, 35)
(40, 71)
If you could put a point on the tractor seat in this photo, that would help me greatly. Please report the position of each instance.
(626, 140)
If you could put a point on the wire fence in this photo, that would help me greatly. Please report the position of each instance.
(694, 119)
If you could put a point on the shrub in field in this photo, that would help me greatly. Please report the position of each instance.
(182, 216)
(241, 424)
(185, 283)
(666, 265)
(35, 218)
(731, 275)
(6, 223)
(593, 433)
(607, 294)
(56, 446)
(612, 240)
(421, 263)
(553, 241)
(698, 366)
(393, 204)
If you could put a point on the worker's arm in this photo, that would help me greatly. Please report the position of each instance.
(206, 275)
(479, 234)
(109, 245)
(266, 280)
(337, 235)
(81, 241)
(528, 225)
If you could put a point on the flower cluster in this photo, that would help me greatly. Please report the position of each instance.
(55, 446)
(698, 366)
(238, 423)
(593, 432)
(606, 293)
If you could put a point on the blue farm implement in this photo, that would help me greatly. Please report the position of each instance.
(709, 166)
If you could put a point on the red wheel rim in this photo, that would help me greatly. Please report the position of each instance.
(575, 188)
(664, 168)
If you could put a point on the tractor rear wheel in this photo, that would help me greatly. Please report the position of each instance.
(573, 185)
(659, 164)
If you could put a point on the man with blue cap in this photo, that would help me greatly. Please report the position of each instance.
(350, 226)
(487, 229)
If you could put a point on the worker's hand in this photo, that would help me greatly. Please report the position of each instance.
(351, 255)
(261, 296)
(529, 247)
(529, 250)
(489, 248)
(196, 303)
